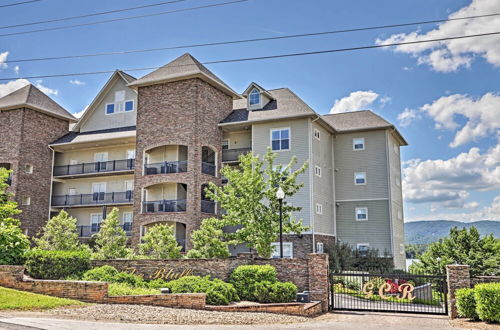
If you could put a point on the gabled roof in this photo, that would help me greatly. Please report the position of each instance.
(255, 85)
(363, 120)
(184, 67)
(116, 75)
(31, 97)
(104, 134)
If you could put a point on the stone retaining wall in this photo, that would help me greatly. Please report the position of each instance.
(484, 279)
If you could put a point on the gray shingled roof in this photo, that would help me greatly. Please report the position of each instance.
(183, 66)
(71, 136)
(31, 97)
(285, 104)
(356, 120)
(128, 78)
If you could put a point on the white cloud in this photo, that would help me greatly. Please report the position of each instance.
(14, 85)
(406, 117)
(358, 100)
(16, 69)
(77, 82)
(450, 55)
(45, 89)
(3, 58)
(80, 113)
(447, 183)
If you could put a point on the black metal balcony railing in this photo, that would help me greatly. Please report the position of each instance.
(178, 205)
(166, 167)
(208, 168)
(232, 155)
(94, 199)
(97, 167)
(88, 231)
(207, 206)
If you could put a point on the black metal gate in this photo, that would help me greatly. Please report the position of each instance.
(396, 293)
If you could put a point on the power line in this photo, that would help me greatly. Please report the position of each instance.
(18, 3)
(245, 40)
(123, 18)
(245, 59)
(90, 15)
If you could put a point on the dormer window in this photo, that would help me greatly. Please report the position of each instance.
(254, 97)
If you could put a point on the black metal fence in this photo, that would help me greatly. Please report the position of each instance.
(166, 167)
(96, 167)
(88, 231)
(208, 168)
(164, 206)
(384, 292)
(100, 198)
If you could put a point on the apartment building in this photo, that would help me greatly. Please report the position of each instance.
(149, 146)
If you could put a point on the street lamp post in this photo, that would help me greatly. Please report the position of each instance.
(280, 194)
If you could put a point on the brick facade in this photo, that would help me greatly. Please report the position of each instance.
(178, 113)
(303, 244)
(25, 136)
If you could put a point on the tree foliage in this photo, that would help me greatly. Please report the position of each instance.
(462, 246)
(111, 239)
(209, 241)
(60, 233)
(13, 243)
(249, 199)
(160, 243)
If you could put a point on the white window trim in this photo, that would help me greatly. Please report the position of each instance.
(290, 244)
(316, 168)
(129, 151)
(256, 105)
(319, 208)
(131, 217)
(353, 144)
(133, 106)
(289, 138)
(105, 184)
(320, 244)
(106, 109)
(319, 134)
(356, 213)
(360, 184)
(362, 244)
(91, 218)
(401, 248)
(26, 201)
(29, 169)
(228, 143)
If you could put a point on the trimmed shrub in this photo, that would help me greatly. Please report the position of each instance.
(157, 284)
(110, 274)
(55, 265)
(122, 289)
(488, 301)
(277, 292)
(466, 304)
(244, 279)
(218, 292)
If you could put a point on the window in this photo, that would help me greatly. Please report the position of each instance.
(319, 209)
(401, 248)
(95, 222)
(280, 139)
(119, 96)
(317, 170)
(363, 249)
(26, 201)
(317, 134)
(29, 169)
(358, 144)
(359, 178)
(131, 154)
(127, 221)
(225, 144)
(129, 105)
(110, 108)
(254, 97)
(287, 250)
(71, 191)
(319, 247)
(361, 213)
(73, 162)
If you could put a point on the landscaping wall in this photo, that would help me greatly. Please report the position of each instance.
(484, 279)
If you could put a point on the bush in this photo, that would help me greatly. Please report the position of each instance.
(466, 304)
(111, 274)
(157, 284)
(218, 292)
(13, 244)
(487, 297)
(277, 292)
(122, 289)
(56, 265)
(244, 279)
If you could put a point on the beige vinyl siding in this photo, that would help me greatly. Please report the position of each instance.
(100, 120)
(372, 160)
(239, 140)
(87, 155)
(323, 186)
(167, 191)
(299, 147)
(168, 153)
(83, 214)
(375, 231)
(84, 185)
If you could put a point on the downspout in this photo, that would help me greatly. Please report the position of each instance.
(51, 179)
(311, 183)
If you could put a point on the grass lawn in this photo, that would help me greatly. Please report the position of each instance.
(13, 299)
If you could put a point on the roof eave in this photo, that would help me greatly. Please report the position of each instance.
(92, 141)
(35, 108)
(255, 121)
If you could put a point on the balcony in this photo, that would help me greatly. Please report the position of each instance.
(233, 155)
(207, 206)
(208, 168)
(123, 165)
(126, 197)
(166, 167)
(88, 231)
(173, 205)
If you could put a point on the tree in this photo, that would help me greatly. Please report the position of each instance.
(249, 199)
(160, 243)
(343, 256)
(209, 241)
(482, 254)
(13, 243)
(111, 240)
(60, 233)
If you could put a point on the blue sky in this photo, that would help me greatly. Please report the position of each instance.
(444, 98)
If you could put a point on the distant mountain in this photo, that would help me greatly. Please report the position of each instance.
(428, 231)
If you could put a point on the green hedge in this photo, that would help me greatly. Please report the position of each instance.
(218, 292)
(55, 265)
(111, 274)
(277, 292)
(466, 303)
(488, 301)
(245, 278)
